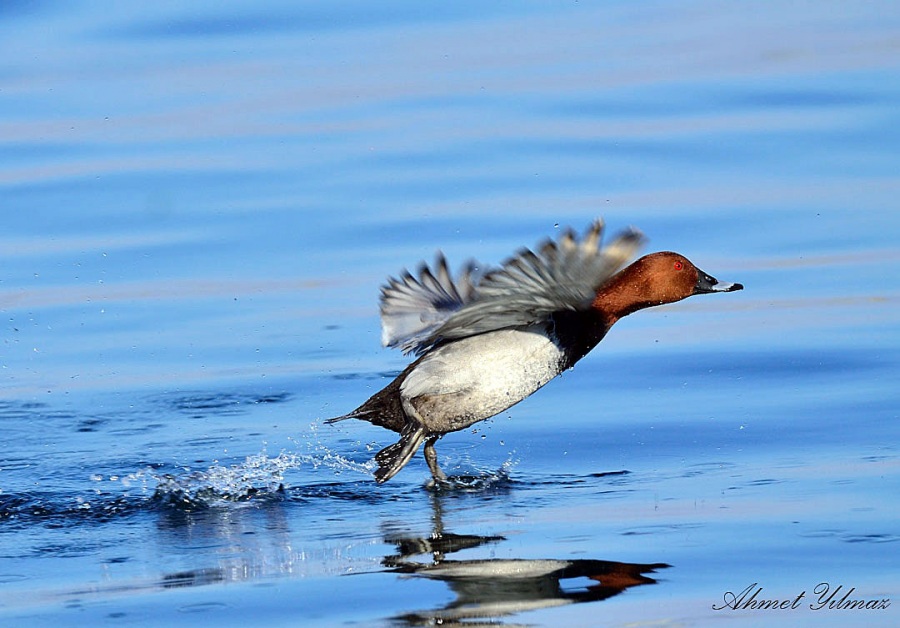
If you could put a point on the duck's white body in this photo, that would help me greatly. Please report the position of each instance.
(463, 382)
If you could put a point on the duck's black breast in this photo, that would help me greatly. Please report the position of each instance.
(577, 332)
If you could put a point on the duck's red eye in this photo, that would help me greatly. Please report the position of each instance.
(678, 265)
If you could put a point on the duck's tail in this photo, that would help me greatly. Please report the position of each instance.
(356, 414)
(394, 457)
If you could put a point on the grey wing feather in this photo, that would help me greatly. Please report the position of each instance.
(413, 307)
(418, 313)
(529, 287)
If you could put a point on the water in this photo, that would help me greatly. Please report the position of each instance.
(200, 202)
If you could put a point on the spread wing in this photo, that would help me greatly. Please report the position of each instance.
(413, 307)
(419, 313)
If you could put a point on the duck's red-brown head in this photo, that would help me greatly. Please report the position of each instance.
(655, 279)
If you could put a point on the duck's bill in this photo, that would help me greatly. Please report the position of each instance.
(708, 283)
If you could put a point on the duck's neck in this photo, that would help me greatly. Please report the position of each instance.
(579, 332)
(622, 295)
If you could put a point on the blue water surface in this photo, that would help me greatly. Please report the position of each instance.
(200, 201)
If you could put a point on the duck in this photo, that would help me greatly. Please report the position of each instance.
(488, 338)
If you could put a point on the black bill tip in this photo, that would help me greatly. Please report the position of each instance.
(708, 283)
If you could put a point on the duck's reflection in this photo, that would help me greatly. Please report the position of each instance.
(494, 588)
(253, 543)
(490, 589)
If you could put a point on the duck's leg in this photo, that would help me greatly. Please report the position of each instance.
(431, 459)
(394, 457)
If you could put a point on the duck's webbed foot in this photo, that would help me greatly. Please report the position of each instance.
(431, 459)
(394, 457)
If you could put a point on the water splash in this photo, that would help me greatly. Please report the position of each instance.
(479, 480)
(258, 477)
(263, 477)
